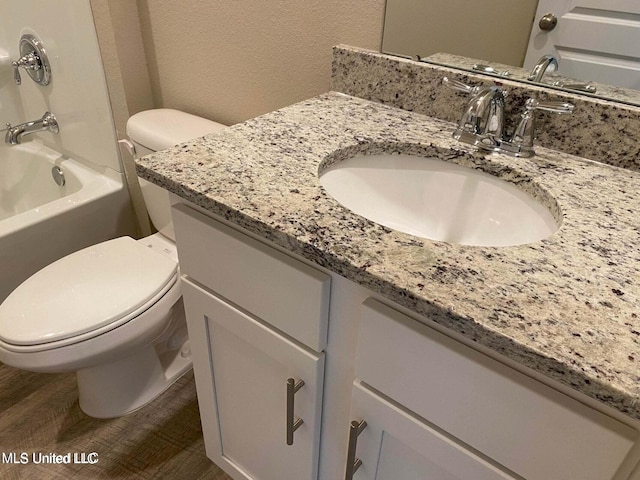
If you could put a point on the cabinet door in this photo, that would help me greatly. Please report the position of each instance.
(522, 424)
(242, 367)
(395, 445)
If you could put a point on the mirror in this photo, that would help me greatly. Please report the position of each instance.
(495, 37)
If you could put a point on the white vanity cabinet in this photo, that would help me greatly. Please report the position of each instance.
(393, 444)
(242, 391)
(477, 405)
(434, 408)
(259, 386)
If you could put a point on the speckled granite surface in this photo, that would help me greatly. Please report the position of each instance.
(566, 306)
(598, 129)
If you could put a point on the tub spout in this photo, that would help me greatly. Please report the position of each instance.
(47, 123)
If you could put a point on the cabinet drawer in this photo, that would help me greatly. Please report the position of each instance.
(529, 428)
(286, 293)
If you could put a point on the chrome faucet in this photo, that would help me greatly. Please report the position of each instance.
(47, 123)
(546, 62)
(482, 121)
(550, 63)
(521, 142)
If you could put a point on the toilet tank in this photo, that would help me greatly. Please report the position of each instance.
(160, 129)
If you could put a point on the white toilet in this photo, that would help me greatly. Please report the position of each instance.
(111, 312)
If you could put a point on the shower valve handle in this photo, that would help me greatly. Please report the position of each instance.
(30, 61)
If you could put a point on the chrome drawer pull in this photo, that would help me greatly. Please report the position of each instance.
(292, 422)
(353, 463)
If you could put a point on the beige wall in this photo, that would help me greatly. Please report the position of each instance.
(230, 60)
(227, 60)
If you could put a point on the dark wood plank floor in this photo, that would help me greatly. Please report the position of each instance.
(39, 413)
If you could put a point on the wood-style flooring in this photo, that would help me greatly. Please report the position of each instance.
(39, 413)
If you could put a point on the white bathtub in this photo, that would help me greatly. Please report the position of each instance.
(41, 221)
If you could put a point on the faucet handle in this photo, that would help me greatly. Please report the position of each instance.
(473, 91)
(30, 61)
(16, 73)
(521, 143)
(579, 87)
(460, 86)
(553, 107)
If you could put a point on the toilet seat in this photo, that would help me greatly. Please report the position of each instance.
(85, 294)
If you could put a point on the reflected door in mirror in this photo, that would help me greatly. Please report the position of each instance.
(594, 40)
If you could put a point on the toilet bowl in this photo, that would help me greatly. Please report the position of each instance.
(111, 312)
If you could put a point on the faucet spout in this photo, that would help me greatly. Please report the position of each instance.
(546, 62)
(483, 118)
(47, 123)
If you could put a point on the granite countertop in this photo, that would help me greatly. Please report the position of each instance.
(566, 306)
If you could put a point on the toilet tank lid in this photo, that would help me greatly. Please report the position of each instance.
(162, 128)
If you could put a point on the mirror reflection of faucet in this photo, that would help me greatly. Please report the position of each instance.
(580, 87)
(482, 121)
(47, 123)
(479, 67)
(544, 64)
(549, 63)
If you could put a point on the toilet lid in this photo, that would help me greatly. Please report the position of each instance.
(84, 291)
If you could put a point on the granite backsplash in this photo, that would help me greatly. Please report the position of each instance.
(600, 130)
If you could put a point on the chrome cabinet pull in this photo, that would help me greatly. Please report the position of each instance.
(293, 423)
(353, 463)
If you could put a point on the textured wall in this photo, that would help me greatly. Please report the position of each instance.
(230, 60)
(131, 58)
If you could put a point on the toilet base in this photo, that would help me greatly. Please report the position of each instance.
(123, 386)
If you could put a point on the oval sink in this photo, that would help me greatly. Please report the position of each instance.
(438, 200)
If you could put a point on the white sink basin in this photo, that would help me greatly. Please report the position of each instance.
(438, 200)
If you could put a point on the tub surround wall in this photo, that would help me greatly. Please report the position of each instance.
(565, 307)
(599, 130)
(10, 105)
(77, 94)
